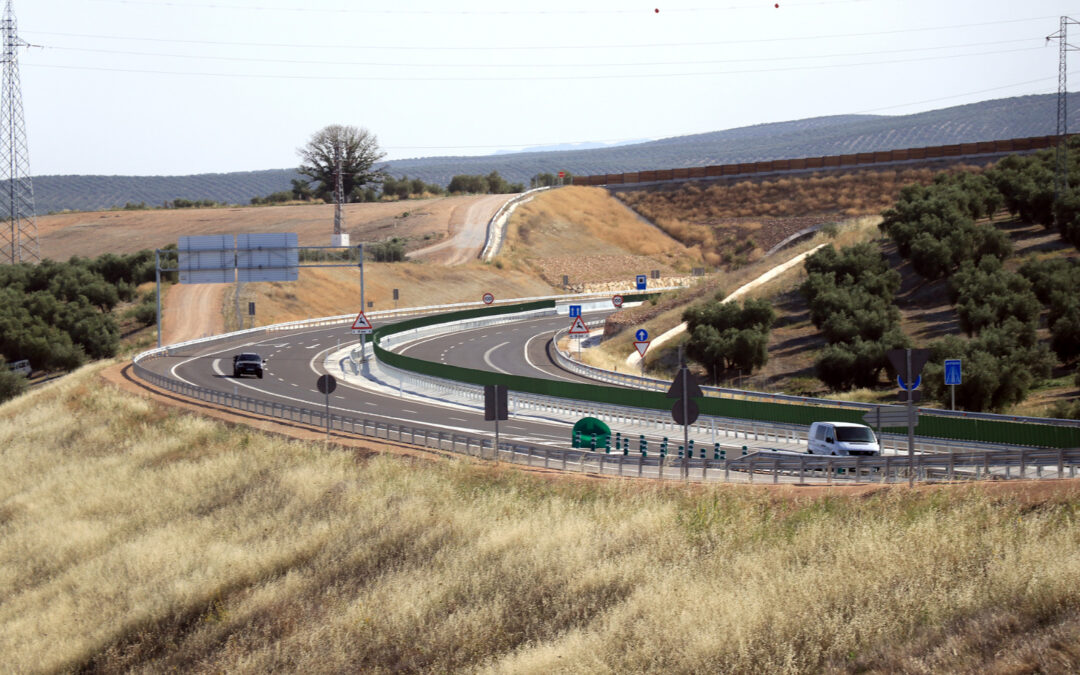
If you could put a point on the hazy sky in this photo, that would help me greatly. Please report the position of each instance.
(149, 87)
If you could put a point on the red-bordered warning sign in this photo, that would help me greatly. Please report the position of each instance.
(578, 327)
(362, 325)
(641, 347)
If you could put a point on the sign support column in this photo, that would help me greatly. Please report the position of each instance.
(157, 281)
(911, 424)
(360, 255)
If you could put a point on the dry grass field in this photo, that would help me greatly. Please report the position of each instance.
(92, 233)
(135, 538)
(584, 234)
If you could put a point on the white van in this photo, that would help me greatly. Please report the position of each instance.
(842, 439)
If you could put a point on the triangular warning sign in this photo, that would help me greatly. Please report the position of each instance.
(361, 325)
(579, 327)
(641, 347)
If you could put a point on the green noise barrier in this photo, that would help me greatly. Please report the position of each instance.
(953, 428)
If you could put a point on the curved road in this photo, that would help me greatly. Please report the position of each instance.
(294, 362)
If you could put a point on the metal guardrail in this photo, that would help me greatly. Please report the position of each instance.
(711, 427)
(653, 384)
(886, 469)
(703, 469)
(783, 466)
(494, 236)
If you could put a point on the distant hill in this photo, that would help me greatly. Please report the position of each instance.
(838, 134)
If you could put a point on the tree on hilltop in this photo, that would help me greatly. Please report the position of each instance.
(360, 151)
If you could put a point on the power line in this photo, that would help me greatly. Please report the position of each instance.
(367, 64)
(643, 11)
(384, 48)
(523, 77)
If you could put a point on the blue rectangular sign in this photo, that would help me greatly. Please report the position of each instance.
(575, 311)
(641, 281)
(952, 371)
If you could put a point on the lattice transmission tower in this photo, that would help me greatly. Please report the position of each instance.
(1061, 174)
(18, 236)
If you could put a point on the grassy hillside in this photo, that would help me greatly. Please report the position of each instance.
(139, 538)
(988, 120)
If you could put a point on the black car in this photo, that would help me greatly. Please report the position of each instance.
(248, 362)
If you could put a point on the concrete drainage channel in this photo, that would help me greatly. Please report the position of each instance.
(759, 464)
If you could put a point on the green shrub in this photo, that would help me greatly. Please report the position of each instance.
(12, 384)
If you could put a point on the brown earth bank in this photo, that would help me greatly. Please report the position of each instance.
(734, 221)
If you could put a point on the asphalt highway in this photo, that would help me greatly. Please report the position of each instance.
(294, 362)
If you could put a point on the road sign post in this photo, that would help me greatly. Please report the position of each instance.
(495, 408)
(909, 363)
(360, 256)
(953, 377)
(685, 411)
(579, 331)
(642, 345)
(326, 384)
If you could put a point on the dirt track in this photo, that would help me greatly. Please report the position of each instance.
(192, 311)
(468, 232)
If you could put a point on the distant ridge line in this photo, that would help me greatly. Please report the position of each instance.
(936, 152)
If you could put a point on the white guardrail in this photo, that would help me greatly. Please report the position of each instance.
(941, 458)
(496, 228)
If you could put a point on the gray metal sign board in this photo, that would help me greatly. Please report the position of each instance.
(273, 256)
(889, 416)
(207, 259)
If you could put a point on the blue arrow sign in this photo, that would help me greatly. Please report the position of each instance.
(952, 371)
(575, 311)
(642, 335)
(641, 281)
(918, 381)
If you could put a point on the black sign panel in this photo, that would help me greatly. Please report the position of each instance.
(898, 359)
(691, 409)
(495, 398)
(326, 384)
(692, 388)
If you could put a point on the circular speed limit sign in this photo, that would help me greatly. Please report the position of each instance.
(488, 298)
(617, 301)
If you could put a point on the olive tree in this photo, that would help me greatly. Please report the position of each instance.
(359, 153)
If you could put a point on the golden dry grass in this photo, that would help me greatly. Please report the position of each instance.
(587, 235)
(137, 539)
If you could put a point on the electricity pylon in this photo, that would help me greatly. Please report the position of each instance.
(1061, 173)
(18, 236)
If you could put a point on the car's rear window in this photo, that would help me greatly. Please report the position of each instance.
(248, 357)
(855, 434)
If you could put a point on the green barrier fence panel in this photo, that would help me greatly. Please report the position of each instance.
(995, 431)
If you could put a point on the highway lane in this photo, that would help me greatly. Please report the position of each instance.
(522, 348)
(295, 360)
(294, 364)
